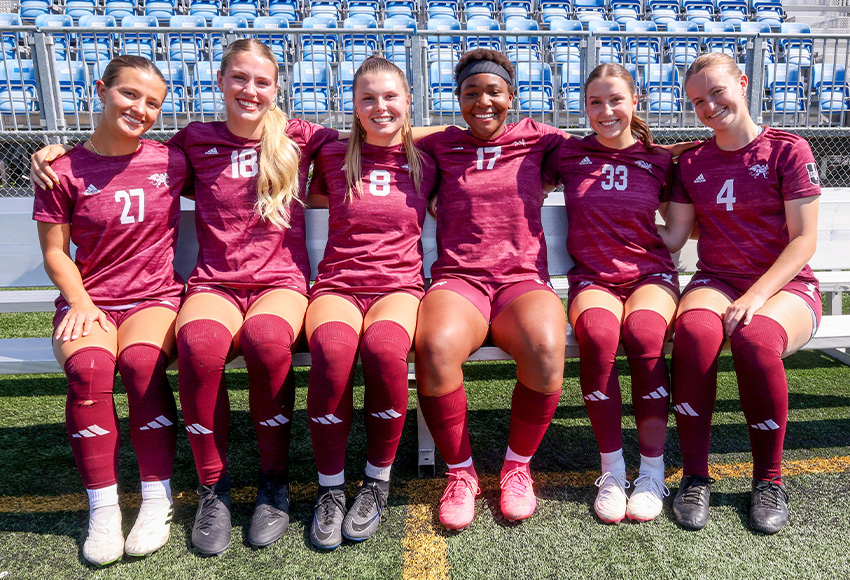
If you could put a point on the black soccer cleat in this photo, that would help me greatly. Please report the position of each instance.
(366, 513)
(271, 513)
(690, 506)
(328, 513)
(768, 506)
(211, 533)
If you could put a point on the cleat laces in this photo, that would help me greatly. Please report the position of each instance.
(516, 481)
(693, 493)
(771, 494)
(459, 485)
(325, 508)
(653, 484)
(371, 501)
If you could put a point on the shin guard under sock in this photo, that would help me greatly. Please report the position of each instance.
(446, 417)
(531, 414)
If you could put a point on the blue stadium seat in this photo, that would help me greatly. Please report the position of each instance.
(733, 11)
(311, 87)
(72, 77)
(217, 40)
(663, 89)
(829, 82)
(516, 9)
(483, 24)
(97, 69)
(96, 46)
(208, 97)
(572, 81)
(162, 9)
(284, 8)
(188, 47)
(77, 8)
(767, 44)
(478, 8)
(786, 89)
(587, 11)
(442, 85)
(565, 48)
(663, 12)
(552, 9)
(175, 74)
(611, 47)
(534, 87)
(770, 12)
(137, 43)
(61, 42)
(522, 48)
(208, 9)
(796, 50)
(17, 87)
(331, 8)
(442, 8)
(29, 10)
(367, 7)
(249, 9)
(699, 11)
(318, 47)
(345, 86)
(643, 49)
(727, 45)
(394, 44)
(683, 50)
(277, 41)
(118, 9)
(623, 11)
(443, 47)
(400, 8)
(9, 40)
(359, 46)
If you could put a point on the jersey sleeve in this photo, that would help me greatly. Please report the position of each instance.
(178, 140)
(798, 172)
(309, 136)
(318, 185)
(52, 205)
(677, 188)
(428, 144)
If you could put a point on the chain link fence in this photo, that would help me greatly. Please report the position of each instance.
(48, 75)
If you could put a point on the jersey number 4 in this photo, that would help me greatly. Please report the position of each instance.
(127, 198)
(615, 177)
(484, 152)
(727, 194)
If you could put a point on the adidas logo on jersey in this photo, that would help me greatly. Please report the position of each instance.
(388, 414)
(275, 421)
(596, 396)
(159, 179)
(90, 431)
(198, 429)
(212, 151)
(658, 393)
(157, 423)
(759, 170)
(685, 409)
(585, 161)
(769, 425)
(91, 190)
(328, 419)
(645, 164)
(700, 179)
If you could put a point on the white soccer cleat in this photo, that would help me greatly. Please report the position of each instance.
(152, 527)
(647, 499)
(611, 500)
(105, 542)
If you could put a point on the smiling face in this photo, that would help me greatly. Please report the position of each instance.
(718, 98)
(610, 107)
(485, 100)
(381, 104)
(131, 104)
(249, 86)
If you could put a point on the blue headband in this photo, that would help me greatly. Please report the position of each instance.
(478, 67)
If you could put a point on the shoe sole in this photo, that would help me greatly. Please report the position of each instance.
(104, 564)
(213, 554)
(640, 519)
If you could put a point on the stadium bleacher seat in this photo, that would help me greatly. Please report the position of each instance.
(727, 45)
(587, 11)
(138, 43)
(9, 40)
(442, 8)
(359, 46)
(18, 87)
(310, 87)
(208, 98)
(565, 48)
(662, 88)
(832, 90)
(318, 47)
(643, 49)
(345, 86)
(796, 50)
(96, 45)
(188, 47)
(699, 11)
(61, 41)
(77, 8)
(516, 9)
(572, 80)
(534, 87)
(217, 40)
(118, 9)
(522, 48)
(785, 88)
(72, 77)
(770, 12)
(735, 11)
(277, 41)
(750, 27)
(248, 9)
(367, 7)
(443, 99)
(479, 8)
(443, 47)
(394, 44)
(682, 50)
(623, 11)
(162, 9)
(611, 47)
(552, 9)
(399, 8)
(284, 8)
(208, 9)
(176, 75)
(29, 10)
(332, 8)
(480, 23)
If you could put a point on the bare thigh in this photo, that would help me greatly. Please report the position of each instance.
(154, 325)
(591, 298)
(97, 337)
(209, 306)
(399, 307)
(655, 297)
(332, 308)
(794, 315)
(288, 304)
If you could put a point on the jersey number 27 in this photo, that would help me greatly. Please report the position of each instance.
(127, 198)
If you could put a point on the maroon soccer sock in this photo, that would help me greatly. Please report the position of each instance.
(203, 346)
(597, 331)
(531, 414)
(153, 414)
(383, 353)
(643, 340)
(90, 417)
(696, 347)
(333, 348)
(757, 352)
(446, 417)
(266, 341)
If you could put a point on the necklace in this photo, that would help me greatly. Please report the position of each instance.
(91, 144)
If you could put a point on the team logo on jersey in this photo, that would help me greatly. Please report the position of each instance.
(700, 179)
(159, 179)
(520, 143)
(436, 284)
(810, 290)
(701, 281)
(91, 190)
(585, 161)
(457, 148)
(212, 151)
(406, 167)
(813, 173)
(342, 168)
(759, 170)
(668, 278)
(645, 164)
(584, 284)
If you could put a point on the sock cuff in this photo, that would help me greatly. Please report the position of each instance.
(268, 327)
(645, 317)
(144, 351)
(388, 331)
(335, 331)
(203, 326)
(97, 354)
(598, 316)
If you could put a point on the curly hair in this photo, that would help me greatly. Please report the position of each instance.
(485, 54)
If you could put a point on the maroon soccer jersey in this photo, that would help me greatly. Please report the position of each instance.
(611, 197)
(488, 208)
(373, 240)
(236, 247)
(124, 213)
(739, 198)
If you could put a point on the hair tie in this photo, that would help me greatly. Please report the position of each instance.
(478, 67)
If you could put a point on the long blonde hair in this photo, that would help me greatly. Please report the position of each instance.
(373, 65)
(277, 181)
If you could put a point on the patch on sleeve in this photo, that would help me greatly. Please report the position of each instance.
(813, 173)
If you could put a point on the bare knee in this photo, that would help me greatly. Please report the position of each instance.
(440, 354)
